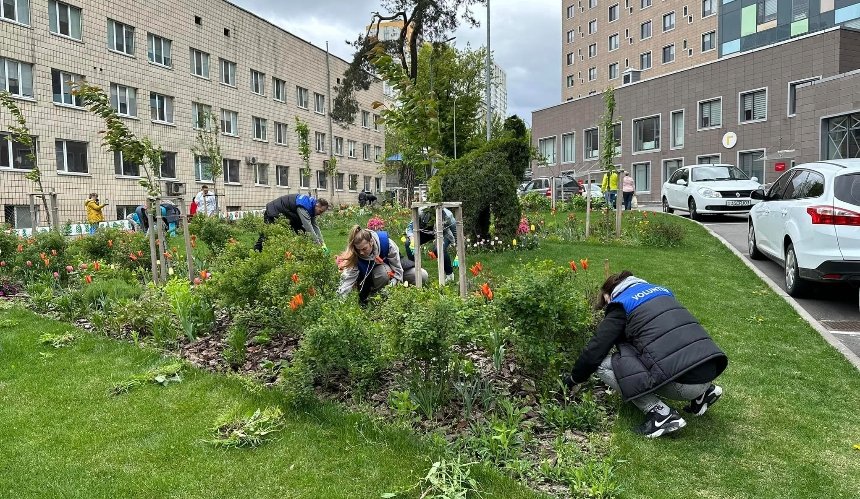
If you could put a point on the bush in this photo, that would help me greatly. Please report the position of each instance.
(103, 291)
(550, 315)
(215, 232)
(658, 232)
(535, 201)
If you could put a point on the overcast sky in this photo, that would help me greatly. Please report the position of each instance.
(525, 39)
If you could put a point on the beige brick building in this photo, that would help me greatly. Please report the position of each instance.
(165, 64)
(611, 42)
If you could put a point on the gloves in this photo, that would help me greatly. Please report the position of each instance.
(570, 386)
(326, 250)
(456, 262)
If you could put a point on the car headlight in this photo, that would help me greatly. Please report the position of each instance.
(707, 192)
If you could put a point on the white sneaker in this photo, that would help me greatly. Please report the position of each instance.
(449, 278)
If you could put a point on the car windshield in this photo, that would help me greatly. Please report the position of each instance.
(711, 173)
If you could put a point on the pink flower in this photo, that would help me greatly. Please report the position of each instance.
(56, 275)
(69, 269)
(376, 223)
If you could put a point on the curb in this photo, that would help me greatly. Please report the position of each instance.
(827, 335)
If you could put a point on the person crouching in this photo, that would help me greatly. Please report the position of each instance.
(370, 262)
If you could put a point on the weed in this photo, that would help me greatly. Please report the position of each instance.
(248, 431)
(58, 340)
(8, 323)
(194, 313)
(448, 478)
(429, 394)
(595, 479)
(234, 352)
(585, 415)
(468, 389)
(402, 404)
(162, 375)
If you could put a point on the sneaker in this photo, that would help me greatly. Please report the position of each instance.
(698, 406)
(657, 425)
(449, 278)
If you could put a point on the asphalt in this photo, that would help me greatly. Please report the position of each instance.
(833, 310)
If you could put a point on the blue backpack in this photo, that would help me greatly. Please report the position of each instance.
(363, 266)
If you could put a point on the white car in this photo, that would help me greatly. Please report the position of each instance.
(708, 189)
(809, 221)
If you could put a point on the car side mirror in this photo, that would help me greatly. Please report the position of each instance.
(681, 182)
(754, 179)
(758, 194)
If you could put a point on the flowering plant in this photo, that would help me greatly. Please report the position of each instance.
(376, 223)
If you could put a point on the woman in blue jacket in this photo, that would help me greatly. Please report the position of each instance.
(661, 351)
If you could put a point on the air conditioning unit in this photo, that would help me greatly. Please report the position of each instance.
(174, 188)
(630, 76)
(251, 160)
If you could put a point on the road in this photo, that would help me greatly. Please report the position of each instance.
(834, 306)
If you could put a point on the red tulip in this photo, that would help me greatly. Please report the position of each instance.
(573, 266)
(89, 279)
(432, 255)
(584, 263)
(97, 266)
(295, 278)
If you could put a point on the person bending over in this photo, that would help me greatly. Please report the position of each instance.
(302, 212)
(427, 233)
(370, 262)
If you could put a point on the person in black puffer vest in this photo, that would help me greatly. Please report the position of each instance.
(302, 212)
(662, 351)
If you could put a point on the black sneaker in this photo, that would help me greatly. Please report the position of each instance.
(698, 406)
(657, 425)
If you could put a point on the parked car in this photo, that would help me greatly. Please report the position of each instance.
(809, 221)
(708, 189)
(565, 187)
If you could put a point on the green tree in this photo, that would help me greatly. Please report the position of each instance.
(607, 151)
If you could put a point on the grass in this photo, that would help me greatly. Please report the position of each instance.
(64, 436)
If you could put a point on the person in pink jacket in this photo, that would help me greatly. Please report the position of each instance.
(627, 190)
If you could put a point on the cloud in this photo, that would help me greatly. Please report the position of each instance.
(525, 39)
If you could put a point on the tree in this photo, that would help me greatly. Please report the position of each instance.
(422, 20)
(208, 146)
(607, 153)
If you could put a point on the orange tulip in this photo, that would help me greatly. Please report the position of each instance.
(89, 279)
(167, 255)
(573, 266)
(42, 256)
(20, 248)
(432, 255)
(295, 278)
(47, 262)
(110, 243)
(140, 253)
(97, 266)
(133, 257)
(486, 291)
(475, 270)
(288, 254)
(204, 274)
(584, 263)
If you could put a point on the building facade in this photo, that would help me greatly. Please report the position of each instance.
(607, 42)
(794, 101)
(166, 66)
(499, 92)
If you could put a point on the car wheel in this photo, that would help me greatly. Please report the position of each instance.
(752, 249)
(666, 207)
(694, 215)
(794, 285)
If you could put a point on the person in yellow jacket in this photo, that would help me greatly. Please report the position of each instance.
(609, 185)
(94, 211)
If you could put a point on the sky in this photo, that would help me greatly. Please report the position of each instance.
(525, 37)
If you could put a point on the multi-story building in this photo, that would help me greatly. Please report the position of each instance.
(610, 42)
(499, 92)
(166, 65)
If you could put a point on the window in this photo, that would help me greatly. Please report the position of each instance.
(570, 58)
(792, 94)
(18, 216)
(592, 74)
(15, 154)
(231, 171)
(670, 166)
(843, 136)
(646, 134)
(322, 180)
(320, 141)
(228, 72)
(258, 82)
(302, 97)
(547, 149)
(279, 90)
(200, 64)
(124, 210)
(62, 83)
(365, 152)
(568, 148)
(644, 4)
(350, 148)
(71, 156)
(613, 42)
(123, 167)
(709, 7)
(17, 11)
(63, 19)
(677, 129)
(353, 182)
(592, 27)
(16, 78)
(202, 116)
(338, 146)
(668, 53)
(592, 4)
(592, 50)
(203, 169)
(753, 106)
(229, 122)
(120, 37)
(710, 159)
(645, 60)
(158, 50)
(613, 71)
(642, 176)
(365, 119)
(261, 174)
(281, 130)
(569, 81)
(161, 108)
(709, 41)
(338, 181)
(282, 175)
(799, 10)
(167, 168)
(752, 163)
(123, 99)
(616, 137)
(592, 143)
(260, 132)
(377, 153)
(571, 9)
(304, 179)
(366, 183)
(613, 12)
(645, 30)
(376, 122)
(668, 21)
(766, 11)
(571, 36)
(319, 103)
(711, 113)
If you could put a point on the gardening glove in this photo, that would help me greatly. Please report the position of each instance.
(325, 250)
(456, 262)
(570, 385)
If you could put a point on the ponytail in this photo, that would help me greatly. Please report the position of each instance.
(349, 258)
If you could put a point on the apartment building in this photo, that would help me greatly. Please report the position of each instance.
(499, 91)
(611, 42)
(167, 65)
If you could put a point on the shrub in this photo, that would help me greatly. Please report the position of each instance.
(658, 232)
(550, 315)
(215, 232)
(535, 201)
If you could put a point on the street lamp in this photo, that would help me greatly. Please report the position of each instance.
(455, 126)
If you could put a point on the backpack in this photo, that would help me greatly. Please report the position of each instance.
(363, 266)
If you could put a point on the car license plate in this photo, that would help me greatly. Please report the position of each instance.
(737, 202)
